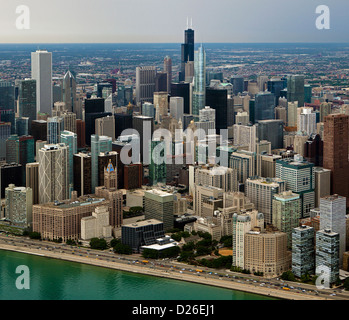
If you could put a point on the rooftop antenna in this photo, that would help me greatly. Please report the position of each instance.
(191, 23)
(187, 23)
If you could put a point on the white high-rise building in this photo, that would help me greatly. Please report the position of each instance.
(41, 69)
(53, 173)
(207, 114)
(307, 121)
(332, 216)
(177, 108)
(245, 136)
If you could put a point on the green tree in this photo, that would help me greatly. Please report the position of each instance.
(35, 235)
(288, 276)
(186, 256)
(176, 236)
(99, 244)
(202, 250)
(122, 248)
(346, 284)
(71, 242)
(305, 278)
(190, 246)
(114, 242)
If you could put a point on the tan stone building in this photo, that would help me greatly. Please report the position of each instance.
(97, 225)
(56, 220)
(267, 252)
(205, 198)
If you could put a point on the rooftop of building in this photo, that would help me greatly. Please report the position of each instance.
(143, 223)
(159, 193)
(328, 232)
(286, 196)
(66, 204)
(333, 197)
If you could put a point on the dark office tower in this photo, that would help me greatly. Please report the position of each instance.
(161, 82)
(295, 89)
(103, 160)
(308, 93)
(118, 146)
(140, 123)
(125, 95)
(218, 99)
(94, 105)
(32, 179)
(251, 110)
(22, 126)
(145, 84)
(82, 174)
(26, 150)
(101, 86)
(39, 130)
(168, 70)
(238, 84)
(27, 100)
(26, 153)
(212, 75)
(5, 132)
(9, 116)
(271, 130)
(133, 176)
(187, 118)
(283, 93)
(10, 174)
(336, 152)
(12, 149)
(122, 122)
(275, 86)
(182, 89)
(264, 106)
(7, 95)
(57, 93)
(81, 132)
(90, 125)
(313, 150)
(69, 92)
(187, 51)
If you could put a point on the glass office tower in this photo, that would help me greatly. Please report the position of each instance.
(199, 90)
(27, 100)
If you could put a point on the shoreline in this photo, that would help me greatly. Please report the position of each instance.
(268, 292)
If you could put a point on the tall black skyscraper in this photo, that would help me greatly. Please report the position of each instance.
(182, 89)
(187, 51)
(218, 99)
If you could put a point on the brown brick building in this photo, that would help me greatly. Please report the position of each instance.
(335, 156)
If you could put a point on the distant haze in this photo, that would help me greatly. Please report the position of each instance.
(157, 21)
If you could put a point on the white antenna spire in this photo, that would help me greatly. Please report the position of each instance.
(187, 23)
(191, 23)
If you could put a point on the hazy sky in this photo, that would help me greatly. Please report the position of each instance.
(164, 21)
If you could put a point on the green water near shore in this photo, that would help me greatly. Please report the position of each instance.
(52, 279)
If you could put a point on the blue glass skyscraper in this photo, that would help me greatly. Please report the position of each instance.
(199, 89)
(98, 144)
(70, 139)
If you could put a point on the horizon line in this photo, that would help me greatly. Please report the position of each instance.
(305, 42)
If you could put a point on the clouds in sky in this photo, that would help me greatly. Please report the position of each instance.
(164, 21)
